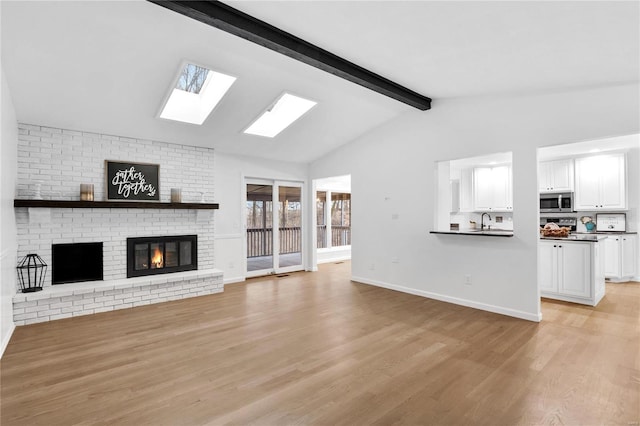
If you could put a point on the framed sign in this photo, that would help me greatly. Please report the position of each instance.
(132, 181)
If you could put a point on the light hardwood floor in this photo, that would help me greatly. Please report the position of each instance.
(315, 348)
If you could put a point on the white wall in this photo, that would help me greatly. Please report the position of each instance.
(634, 194)
(393, 171)
(8, 236)
(633, 215)
(230, 172)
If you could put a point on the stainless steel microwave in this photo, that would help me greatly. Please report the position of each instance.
(556, 203)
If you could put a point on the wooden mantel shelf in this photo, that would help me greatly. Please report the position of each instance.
(67, 204)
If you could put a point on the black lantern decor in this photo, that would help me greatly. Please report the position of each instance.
(31, 272)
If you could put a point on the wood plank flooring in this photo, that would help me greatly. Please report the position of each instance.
(315, 348)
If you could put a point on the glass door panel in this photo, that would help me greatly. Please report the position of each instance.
(290, 227)
(259, 213)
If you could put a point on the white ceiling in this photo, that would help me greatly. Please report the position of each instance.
(458, 49)
(106, 66)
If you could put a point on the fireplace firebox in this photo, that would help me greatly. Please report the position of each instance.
(161, 255)
(76, 262)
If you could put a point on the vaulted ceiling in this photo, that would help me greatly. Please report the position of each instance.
(106, 66)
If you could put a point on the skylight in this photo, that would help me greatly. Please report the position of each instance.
(287, 109)
(192, 78)
(197, 92)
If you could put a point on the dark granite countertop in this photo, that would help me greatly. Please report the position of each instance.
(478, 233)
(588, 238)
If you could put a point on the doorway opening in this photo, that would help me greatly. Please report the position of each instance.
(333, 219)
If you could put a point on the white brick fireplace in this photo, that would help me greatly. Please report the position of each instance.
(59, 161)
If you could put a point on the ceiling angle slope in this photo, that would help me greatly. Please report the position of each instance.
(233, 21)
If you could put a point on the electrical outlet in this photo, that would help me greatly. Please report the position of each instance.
(395, 260)
(372, 266)
(467, 279)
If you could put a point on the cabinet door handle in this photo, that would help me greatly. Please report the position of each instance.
(555, 245)
(560, 246)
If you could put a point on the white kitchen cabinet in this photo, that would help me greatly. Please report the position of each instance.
(556, 176)
(600, 183)
(571, 271)
(629, 255)
(620, 257)
(574, 272)
(611, 257)
(466, 190)
(492, 189)
(548, 267)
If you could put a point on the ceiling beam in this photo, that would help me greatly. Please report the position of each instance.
(233, 21)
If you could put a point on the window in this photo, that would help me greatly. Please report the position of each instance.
(340, 219)
(192, 78)
(196, 93)
(286, 109)
(321, 201)
(333, 219)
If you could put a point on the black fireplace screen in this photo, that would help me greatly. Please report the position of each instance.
(161, 255)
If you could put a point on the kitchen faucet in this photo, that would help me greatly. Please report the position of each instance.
(482, 221)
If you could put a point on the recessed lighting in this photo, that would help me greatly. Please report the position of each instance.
(287, 109)
(196, 93)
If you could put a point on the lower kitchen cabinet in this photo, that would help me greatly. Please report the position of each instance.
(620, 257)
(571, 271)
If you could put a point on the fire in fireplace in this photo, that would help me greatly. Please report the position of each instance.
(161, 255)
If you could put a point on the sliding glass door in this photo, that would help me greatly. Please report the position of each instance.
(273, 205)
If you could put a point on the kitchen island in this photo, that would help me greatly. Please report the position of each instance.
(572, 268)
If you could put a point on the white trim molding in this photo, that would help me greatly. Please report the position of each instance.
(456, 301)
(6, 339)
(228, 236)
(234, 280)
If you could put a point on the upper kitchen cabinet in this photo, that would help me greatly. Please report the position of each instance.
(492, 189)
(556, 176)
(466, 190)
(600, 182)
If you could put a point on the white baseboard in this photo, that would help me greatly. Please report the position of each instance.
(335, 259)
(623, 280)
(233, 280)
(5, 339)
(455, 300)
(227, 236)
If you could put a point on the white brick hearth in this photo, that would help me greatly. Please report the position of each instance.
(70, 300)
(61, 160)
